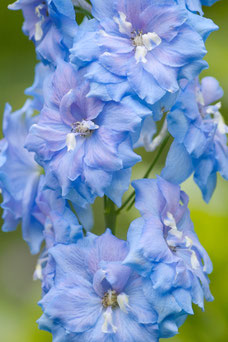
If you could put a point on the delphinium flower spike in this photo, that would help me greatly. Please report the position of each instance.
(114, 76)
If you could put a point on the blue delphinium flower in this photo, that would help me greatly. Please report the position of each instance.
(200, 144)
(95, 297)
(84, 143)
(37, 92)
(60, 226)
(50, 24)
(19, 176)
(165, 250)
(140, 47)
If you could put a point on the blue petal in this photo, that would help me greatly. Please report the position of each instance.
(85, 46)
(66, 8)
(74, 307)
(193, 70)
(102, 9)
(222, 158)
(169, 326)
(70, 261)
(97, 73)
(116, 63)
(85, 216)
(205, 177)
(31, 229)
(129, 157)
(140, 308)
(165, 76)
(135, 257)
(178, 125)
(178, 164)
(195, 141)
(118, 251)
(202, 25)
(101, 150)
(36, 90)
(184, 299)
(124, 120)
(211, 90)
(149, 200)
(127, 328)
(97, 179)
(119, 185)
(164, 304)
(145, 85)
(162, 278)
(116, 274)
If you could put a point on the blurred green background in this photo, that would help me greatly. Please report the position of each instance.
(18, 293)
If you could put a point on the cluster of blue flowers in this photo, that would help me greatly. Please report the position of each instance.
(102, 88)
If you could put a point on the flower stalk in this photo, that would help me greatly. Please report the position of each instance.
(110, 214)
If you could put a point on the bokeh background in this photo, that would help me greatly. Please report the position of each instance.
(18, 293)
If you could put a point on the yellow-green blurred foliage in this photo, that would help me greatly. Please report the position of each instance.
(18, 293)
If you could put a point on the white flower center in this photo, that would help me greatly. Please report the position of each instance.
(82, 128)
(123, 300)
(217, 117)
(71, 142)
(112, 301)
(38, 26)
(125, 26)
(143, 43)
(212, 110)
(108, 326)
(38, 273)
(169, 221)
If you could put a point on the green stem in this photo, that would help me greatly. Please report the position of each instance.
(125, 203)
(110, 214)
(131, 198)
